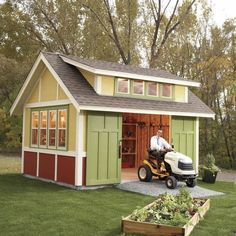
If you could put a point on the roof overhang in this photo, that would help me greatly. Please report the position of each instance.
(31, 80)
(142, 111)
(129, 75)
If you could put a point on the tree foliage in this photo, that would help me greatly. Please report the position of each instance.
(178, 36)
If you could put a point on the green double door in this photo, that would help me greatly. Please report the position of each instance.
(184, 136)
(103, 165)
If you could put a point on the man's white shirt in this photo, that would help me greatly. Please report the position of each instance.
(158, 143)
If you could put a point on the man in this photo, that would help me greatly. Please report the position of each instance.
(159, 145)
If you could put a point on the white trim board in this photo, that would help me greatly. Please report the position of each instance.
(129, 110)
(98, 84)
(129, 75)
(49, 103)
(50, 151)
(23, 140)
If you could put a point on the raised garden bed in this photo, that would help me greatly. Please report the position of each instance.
(144, 220)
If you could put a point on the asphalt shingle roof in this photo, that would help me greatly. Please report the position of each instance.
(112, 66)
(85, 95)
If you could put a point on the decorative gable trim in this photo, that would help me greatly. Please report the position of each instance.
(23, 94)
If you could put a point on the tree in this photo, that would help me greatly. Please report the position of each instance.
(119, 22)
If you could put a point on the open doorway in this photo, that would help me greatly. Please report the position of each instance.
(137, 130)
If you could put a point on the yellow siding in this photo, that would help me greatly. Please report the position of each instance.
(61, 94)
(179, 93)
(48, 87)
(72, 129)
(108, 85)
(27, 128)
(90, 77)
(35, 95)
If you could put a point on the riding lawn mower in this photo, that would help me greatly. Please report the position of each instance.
(171, 166)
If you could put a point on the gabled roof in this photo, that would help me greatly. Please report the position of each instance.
(84, 97)
(126, 71)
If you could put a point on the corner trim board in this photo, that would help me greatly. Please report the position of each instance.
(197, 143)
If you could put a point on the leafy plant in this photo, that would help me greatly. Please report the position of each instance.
(169, 209)
(210, 164)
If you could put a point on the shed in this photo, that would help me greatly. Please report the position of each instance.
(84, 120)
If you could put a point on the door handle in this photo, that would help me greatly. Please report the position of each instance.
(120, 149)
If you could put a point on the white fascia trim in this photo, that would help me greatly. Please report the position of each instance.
(49, 103)
(124, 110)
(26, 83)
(197, 144)
(129, 75)
(55, 75)
(50, 151)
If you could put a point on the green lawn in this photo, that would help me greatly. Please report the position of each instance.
(31, 207)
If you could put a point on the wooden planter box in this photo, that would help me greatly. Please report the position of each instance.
(130, 226)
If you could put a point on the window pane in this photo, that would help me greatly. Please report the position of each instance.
(52, 137)
(122, 85)
(138, 87)
(152, 89)
(166, 90)
(62, 119)
(34, 137)
(62, 138)
(43, 137)
(35, 119)
(52, 119)
(43, 119)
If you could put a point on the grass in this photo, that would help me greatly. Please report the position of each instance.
(31, 207)
(9, 164)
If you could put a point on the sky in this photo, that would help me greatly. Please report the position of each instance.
(222, 10)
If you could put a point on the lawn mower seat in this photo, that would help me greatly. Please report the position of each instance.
(153, 155)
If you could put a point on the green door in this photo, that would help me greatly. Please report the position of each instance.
(103, 165)
(184, 136)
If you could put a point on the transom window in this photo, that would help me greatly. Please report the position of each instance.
(49, 128)
(123, 86)
(152, 89)
(148, 89)
(138, 87)
(166, 90)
